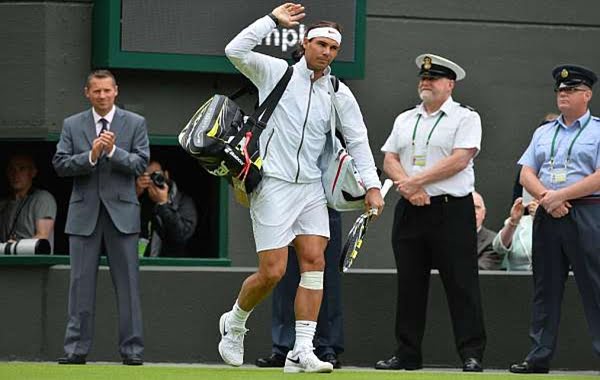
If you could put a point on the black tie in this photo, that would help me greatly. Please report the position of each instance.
(104, 124)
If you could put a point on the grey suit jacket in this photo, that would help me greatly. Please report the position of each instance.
(487, 258)
(110, 181)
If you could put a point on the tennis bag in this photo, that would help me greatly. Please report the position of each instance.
(226, 142)
(343, 185)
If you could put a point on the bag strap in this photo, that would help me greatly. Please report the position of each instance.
(334, 85)
(265, 110)
(334, 111)
(247, 89)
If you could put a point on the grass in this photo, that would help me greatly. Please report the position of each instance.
(45, 371)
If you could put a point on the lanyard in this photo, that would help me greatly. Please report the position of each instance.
(572, 142)
(430, 132)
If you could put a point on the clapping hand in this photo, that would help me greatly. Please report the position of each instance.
(97, 148)
(108, 141)
(517, 211)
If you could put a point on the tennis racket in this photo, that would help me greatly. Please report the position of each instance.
(357, 233)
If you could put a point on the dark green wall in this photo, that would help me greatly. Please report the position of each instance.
(46, 55)
(182, 306)
(507, 47)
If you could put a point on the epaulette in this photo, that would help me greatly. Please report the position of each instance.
(467, 107)
(596, 118)
(409, 108)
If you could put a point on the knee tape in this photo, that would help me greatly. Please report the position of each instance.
(312, 280)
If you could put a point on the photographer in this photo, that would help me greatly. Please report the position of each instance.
(168, 216)
(28, 212)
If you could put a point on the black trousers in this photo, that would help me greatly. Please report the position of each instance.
(572, 241)
(443, 236)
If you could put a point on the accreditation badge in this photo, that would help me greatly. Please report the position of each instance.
(419, 160)
(558, 175)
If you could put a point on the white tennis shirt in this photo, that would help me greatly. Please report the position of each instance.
(296, 133)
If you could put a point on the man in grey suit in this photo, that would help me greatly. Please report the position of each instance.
(487, 258)
(103, 149)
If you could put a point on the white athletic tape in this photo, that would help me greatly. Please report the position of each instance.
(312, 280)
(327, 32)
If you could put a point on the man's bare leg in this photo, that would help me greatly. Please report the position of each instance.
(271, 267)
(310, 250)
(311, 258)
(232, 325)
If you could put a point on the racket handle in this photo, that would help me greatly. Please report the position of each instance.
(387, 185)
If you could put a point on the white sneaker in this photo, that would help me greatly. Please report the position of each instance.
(231, 346)
(305, 361)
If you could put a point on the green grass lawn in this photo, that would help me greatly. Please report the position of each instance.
(45, 371)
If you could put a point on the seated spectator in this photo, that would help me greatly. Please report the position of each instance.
(27, 212)
(168, 216)
(514, 240)
(487, 258)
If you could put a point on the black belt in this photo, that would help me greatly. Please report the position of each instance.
(444, 198)
(591, 200)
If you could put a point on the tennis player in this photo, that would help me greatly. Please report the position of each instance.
(289, 204)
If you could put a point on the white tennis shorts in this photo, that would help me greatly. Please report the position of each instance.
(282, 210)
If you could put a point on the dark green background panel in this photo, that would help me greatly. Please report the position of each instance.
(182, 306)
(508, 49)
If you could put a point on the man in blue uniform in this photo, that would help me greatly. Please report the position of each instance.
(561, 168)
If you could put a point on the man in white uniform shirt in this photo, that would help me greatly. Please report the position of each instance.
(429, 155)
(289, 204)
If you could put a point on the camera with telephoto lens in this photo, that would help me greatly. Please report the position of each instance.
(159, 179)
(26, 247)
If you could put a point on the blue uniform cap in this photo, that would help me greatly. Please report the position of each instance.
(573, 75)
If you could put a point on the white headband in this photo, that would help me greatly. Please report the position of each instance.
(325, 31)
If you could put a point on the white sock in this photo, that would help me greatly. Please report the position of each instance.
(305, 332)
(238, 316)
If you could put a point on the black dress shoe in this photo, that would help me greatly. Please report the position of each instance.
(396, 363)
(72, 359)
(472, 365)
(273, 361)
(133, 360)
(333, 359)
(526, 367)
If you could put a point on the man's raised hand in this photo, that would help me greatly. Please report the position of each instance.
(289, 14)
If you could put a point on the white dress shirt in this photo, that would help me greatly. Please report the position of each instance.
(458, 128)
(109, 118)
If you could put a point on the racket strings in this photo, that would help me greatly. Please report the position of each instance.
(355, 239)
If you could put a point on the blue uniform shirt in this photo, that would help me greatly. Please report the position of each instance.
(584, 159)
